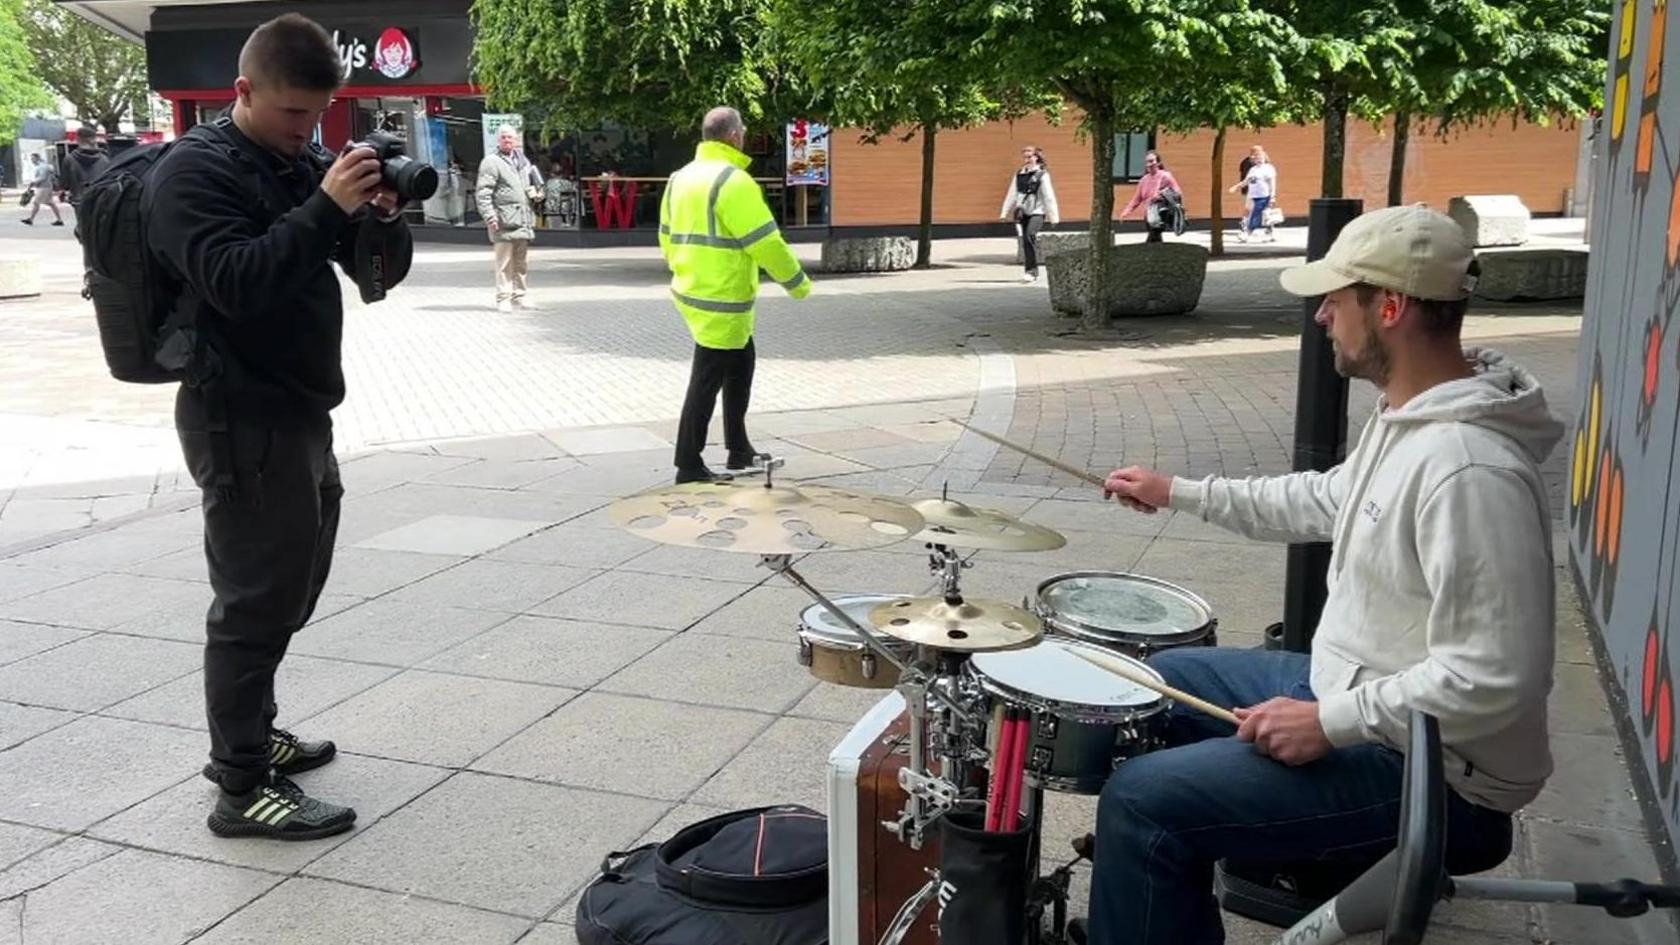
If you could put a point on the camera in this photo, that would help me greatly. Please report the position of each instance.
(411, 179)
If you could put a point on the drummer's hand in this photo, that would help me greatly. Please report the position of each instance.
(1142, 489)
(1285, 730)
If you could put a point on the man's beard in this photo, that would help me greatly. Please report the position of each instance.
(1372, 362)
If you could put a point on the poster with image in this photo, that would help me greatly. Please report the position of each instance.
(492, 122)
(807, 154)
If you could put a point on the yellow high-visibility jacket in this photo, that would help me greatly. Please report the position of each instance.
(716, 232)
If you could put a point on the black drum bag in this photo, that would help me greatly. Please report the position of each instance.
(983, 888)
(752, 877)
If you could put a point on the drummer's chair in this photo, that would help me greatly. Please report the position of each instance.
(1282, 894)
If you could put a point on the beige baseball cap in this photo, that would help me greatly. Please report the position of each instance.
(1412, 250)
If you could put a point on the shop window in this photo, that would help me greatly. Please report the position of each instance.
(1129, 148)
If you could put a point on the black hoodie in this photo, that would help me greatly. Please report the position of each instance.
(253, 244)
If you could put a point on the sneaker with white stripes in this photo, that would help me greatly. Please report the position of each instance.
(288, 754)
(278, 810)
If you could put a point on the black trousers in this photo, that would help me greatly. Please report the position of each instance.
(1030, 225)
(1155, 234)
(269, 545)
(714, 370)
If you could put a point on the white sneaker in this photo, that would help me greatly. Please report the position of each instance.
(1028, 278)
(505, 307)
(519, 305)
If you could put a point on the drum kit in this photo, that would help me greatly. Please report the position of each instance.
(963, 666)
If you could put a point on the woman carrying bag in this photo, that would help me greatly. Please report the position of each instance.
(1030, 199)
(1261, 187)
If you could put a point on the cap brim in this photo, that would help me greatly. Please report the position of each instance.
(1314, 278)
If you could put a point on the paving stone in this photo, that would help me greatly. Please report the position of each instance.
(376, 470)
(802, 422)
(678, 817)
(314, 912)
(636, 600)
(502, 474)
(1242, 583)
(183, 619)
(185, 565)
(772, 612)
(897, 457)
(584, 744)
(787, 764)
(605, 481)
(62, 779)
(699, 563)
(101, 602)
(937, 431)
(550, 933)
(1577, 705)
(366, 572)
(846, 441)
(22, 580)
(20, 640)
(19, 723)
(1107, 518)
(549, 651)
(453, 535)
(393, 633)
(575, 545)
(1589, 785)
(109, 550)
(303, 686)
(431, 718)
(1183, 525)
(830, 703)
(866, 572)
(506, 586)
(522, 447)
(717, 670)
(900, 481)
(173, 821)
(97, 670)
(51, 862)
(1579, 853)
(537, 843)
(18, 842)
(817, 465)
(143, 898)
(591, 442)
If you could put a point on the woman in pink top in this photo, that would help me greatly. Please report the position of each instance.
(1155, 179)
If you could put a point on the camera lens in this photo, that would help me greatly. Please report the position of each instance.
(411, 179)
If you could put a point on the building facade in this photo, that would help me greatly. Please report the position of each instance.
(408, 71)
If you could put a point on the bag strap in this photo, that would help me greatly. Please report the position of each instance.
(788, 889)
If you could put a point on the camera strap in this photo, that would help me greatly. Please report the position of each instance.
(380, 255)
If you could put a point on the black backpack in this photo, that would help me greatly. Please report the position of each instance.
(132, 294)
(754, 876)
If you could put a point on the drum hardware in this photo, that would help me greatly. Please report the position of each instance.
(954, 523)
(911, 910)
(1129, 614)
(765, 518)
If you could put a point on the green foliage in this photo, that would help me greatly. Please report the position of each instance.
(653, 63)
(20, 87)
(99, 73)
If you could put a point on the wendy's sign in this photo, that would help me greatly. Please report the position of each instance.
(428, 52)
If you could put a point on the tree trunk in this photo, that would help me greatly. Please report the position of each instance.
(1335, 137)
(1216, 209)
(924, 237)
(1397, 160)
(1102, 217)
(109, 122)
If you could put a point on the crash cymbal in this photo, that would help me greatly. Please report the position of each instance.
(754, 519)
(973, 626)
(950, 522)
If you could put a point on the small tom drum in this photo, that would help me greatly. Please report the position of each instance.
(833, 651)
(1125, 613)
(1084, 719)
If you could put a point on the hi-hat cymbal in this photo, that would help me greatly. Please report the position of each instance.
(753, 519)
(962, 526)
(973, 626)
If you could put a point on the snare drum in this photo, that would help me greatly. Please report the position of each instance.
(1125, 613)
(1084, 719)
(835, 654)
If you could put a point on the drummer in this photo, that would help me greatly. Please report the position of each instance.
(1440, 600)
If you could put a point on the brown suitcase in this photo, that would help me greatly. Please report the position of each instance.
(889, 872)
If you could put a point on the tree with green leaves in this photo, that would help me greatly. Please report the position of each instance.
(1533, 60)
(887, 67)
(20, 86)
(652, 63)
(99, 73)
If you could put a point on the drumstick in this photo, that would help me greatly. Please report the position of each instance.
(1017, 772)
(1127, 671)
(1074, 471)
(994, 791)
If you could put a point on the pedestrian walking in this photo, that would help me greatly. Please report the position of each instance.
(454, 191)
(505, 181)
(43, 184)
(1031, 200)
(1158, 192)
(1247, 162)
(1260, 185)
(83, 165)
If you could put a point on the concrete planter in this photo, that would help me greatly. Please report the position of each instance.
(1532, 273)
(868, 254)
(1491, 219)
(1145, 279)
(1054, 243)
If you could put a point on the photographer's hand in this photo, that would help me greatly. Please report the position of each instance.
(385, 204)
(352, 179)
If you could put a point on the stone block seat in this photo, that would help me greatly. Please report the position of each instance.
(868, 254)
(20, 277)
(1054, 242)
(1491, 219)
(1144, 279)
(1533, 273)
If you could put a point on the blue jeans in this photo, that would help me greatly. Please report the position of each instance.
(1257, 212)
(1167, 816)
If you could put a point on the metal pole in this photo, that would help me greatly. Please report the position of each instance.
(1321, 398)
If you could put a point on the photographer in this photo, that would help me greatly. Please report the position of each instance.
(250, 221)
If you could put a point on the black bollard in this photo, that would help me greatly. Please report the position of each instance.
(1321, 419)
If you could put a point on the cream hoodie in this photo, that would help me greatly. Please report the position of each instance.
(1441, 581)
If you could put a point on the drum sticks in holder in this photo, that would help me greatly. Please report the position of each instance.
(1009, 769)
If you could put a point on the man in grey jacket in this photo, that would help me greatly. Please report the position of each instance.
(505, 191)
(1440, 601)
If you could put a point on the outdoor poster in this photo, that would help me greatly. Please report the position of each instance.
(807, 154)
(494, 121)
